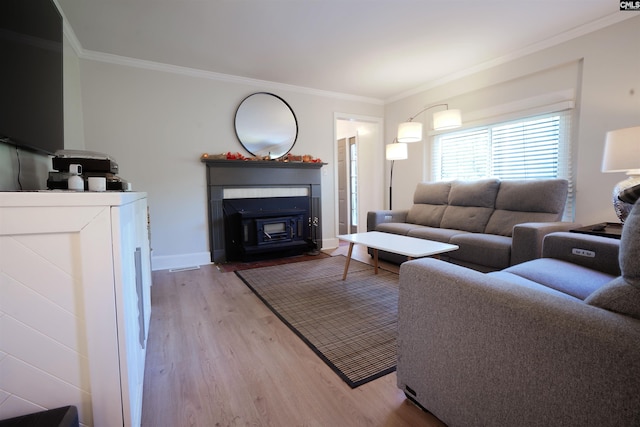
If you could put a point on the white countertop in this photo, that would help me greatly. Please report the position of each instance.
(51, 198)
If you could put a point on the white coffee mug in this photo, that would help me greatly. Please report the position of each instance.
(97, 183)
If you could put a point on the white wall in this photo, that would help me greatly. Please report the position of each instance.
(602, 67)
(370, 178)
(157, 125)
(73, 115)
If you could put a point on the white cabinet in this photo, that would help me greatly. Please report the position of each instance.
(75, 281)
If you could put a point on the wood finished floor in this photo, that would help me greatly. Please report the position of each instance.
(218, 357)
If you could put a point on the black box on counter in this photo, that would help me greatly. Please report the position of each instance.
(61, 164)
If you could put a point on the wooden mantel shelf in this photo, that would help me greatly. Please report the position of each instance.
(262, 164)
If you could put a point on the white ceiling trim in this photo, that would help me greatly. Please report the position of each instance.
(553, 41)
(68, 32)
(192, 72)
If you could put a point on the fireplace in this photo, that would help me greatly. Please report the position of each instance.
(262, 209)
(266, 227)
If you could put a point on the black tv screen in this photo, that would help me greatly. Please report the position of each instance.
(31, 86)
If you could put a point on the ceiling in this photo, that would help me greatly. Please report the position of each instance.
(376, 49)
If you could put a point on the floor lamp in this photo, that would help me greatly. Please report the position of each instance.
(411, 131)
(395, 151)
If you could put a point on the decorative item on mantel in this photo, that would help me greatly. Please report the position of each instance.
(307, 158)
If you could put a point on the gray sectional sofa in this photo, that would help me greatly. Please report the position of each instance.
(495, 223)
(550, 342)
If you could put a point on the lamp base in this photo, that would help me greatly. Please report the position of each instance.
(621, 208)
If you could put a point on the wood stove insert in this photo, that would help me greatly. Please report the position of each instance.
(257, 228)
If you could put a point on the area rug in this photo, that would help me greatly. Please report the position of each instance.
(350, 325)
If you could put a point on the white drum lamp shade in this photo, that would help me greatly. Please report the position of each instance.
(409, 132)
(397, 151)
(622, 151)
(622, 154)
(447, 119)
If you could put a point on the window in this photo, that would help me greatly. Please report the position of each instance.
(531, 148)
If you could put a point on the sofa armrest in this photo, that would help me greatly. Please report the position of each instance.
(378, 217)
(594, 252)
(527, 238)
(480, 351)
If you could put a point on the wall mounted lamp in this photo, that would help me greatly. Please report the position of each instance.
(622, 154)
(411, 131)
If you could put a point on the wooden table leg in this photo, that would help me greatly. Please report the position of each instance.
(346, 265)
(375, 261)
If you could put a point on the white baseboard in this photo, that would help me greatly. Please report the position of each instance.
(166, 262)
(330, 243)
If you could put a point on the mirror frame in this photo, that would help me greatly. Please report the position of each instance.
(243, 124)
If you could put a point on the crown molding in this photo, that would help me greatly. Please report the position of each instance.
(536, 47)
(193, 72)
(68, 32)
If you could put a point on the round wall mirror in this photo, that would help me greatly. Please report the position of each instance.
(266, 125)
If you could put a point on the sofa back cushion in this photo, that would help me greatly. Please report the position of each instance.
(430, 200)
(629, 255)
(623, 294)
(518, 201)
(471, 204)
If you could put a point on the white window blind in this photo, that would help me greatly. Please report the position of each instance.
(531, 148)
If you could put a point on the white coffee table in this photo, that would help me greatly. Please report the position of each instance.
(411, 247)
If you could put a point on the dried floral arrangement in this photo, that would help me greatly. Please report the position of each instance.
(306, 158)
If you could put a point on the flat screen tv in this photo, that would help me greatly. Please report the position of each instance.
(31, 86)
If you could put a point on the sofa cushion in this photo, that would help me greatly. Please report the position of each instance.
(429, 202)
(443, 235)
(536, 195)
(429, 215)
(482, 249)
(526, 283)
(563, 276)
(432, 193)
(481, 193)
(401, 228)
(520, 201)
(471, 204)
(630, 247)
(467, 218)
(623, 294)
(617, 296)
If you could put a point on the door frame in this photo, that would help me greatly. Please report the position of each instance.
(375, 185)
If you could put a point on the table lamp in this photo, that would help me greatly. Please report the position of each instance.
(622, 154)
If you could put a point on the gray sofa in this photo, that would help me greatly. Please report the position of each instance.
(550, 342)
(495, 223)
